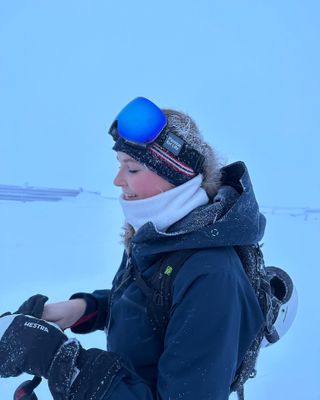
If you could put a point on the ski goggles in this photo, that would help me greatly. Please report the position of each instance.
(141, 131)
(139, 123)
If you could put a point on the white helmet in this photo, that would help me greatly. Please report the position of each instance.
(283, 289)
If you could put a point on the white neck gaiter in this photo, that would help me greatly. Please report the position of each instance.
(166, 208)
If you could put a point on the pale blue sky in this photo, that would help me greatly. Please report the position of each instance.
(247, 71)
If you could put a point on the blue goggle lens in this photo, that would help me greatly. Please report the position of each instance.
(140, 121)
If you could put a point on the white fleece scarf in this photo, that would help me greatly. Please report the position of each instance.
(166, 208)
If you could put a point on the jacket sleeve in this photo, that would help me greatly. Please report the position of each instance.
(96, 312)
(97, 309)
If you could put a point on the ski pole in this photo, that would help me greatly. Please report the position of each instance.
(26, 390)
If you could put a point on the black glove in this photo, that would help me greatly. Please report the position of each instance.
(27, 345)
(37, 347)
(33, 306)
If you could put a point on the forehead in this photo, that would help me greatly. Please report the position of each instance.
(125, 158)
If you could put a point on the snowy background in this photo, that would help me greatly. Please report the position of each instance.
(247, 71)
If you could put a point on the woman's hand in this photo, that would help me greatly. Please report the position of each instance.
(64, 313)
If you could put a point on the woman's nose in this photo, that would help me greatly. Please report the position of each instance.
(119, 179)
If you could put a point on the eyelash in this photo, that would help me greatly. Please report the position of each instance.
(133, 171)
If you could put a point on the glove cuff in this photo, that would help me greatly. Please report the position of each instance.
(78, 374)
(97, 370)
(63, 369)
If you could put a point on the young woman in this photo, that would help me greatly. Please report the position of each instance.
(175, 199)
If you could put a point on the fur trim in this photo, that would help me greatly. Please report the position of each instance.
(184, 126)
(126, 236)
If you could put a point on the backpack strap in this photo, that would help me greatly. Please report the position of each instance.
(158, 289)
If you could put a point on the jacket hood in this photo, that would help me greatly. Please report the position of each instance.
(231, 218)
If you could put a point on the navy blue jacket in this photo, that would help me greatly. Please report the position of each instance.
(215, 314)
